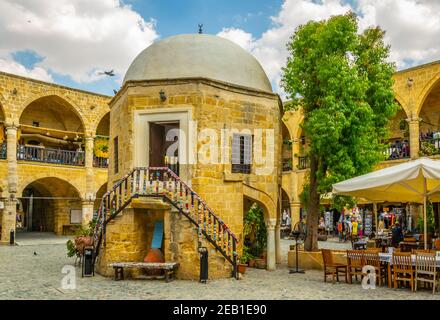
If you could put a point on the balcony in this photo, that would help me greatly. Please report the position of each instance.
(100, 162)
(49, 155)
(3, 148)
(287, 164)
(398, 150)
(303, 163)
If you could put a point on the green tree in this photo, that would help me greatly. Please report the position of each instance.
(342, 81)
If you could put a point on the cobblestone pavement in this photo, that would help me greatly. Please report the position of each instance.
(28, 276)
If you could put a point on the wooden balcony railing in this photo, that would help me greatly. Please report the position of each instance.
(303, 162)
(99, 162)
(49, 155)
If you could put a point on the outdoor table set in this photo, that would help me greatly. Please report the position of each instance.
(423, 266)
(387, 259)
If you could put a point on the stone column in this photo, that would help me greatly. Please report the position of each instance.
(90, 192)
(271, 250)
(295, 207)
(414, 137)
(278, 252)
(9, 213)
(87, 212)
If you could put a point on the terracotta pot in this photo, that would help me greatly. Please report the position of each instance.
(252, 263)
(241, 268)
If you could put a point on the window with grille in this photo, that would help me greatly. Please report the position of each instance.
(241, 153)
(116, 157)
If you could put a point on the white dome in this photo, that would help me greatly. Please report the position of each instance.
(199, 55)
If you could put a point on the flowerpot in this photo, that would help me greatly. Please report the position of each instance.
(241, 268)
(252, 263)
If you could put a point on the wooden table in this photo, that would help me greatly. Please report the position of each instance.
(387, 258)
(169, 268)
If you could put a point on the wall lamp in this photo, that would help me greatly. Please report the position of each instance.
(162, 95)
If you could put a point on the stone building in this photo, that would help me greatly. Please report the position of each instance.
(206, 87)
(417, 91)
(199, 105)
(50, 175)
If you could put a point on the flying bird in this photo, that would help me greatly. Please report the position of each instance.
(107, 73)
(35, 253)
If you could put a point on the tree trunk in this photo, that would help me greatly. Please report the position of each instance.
(311, 241)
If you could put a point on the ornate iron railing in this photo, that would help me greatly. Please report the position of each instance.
(49, 155)
(99, 162)
(303, 162)
(164, 183)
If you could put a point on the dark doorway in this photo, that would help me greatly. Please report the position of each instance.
(163, 150)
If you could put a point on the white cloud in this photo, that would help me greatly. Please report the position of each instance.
(18, 69)
(239, 36)
(412, 29)
(75, 37)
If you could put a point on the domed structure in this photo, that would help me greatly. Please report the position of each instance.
(199, 55)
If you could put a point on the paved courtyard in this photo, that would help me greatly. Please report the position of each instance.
(28, 276)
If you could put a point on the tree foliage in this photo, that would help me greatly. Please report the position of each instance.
(344, 84)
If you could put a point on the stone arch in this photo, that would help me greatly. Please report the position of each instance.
(402, 104)
(37, 176)
(46, 204)
(3, 113)
(262, 198)
(427, 89)
(428, 110)
(103, 126)
(47, 94)
(98, 196)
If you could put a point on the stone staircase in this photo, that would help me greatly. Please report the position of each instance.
(162, 183)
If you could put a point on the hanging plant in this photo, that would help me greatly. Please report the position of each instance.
(100, 149)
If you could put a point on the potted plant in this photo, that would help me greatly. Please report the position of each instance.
(255, 236)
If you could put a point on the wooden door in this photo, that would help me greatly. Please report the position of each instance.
(157, 143)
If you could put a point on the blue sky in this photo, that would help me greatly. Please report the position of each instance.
(70, 41)
(173, 17)
(176, 17)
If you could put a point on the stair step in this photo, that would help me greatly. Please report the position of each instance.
(150, 203)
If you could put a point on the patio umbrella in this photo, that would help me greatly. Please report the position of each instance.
(412, 181)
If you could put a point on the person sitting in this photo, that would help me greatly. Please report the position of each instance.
(397, 235)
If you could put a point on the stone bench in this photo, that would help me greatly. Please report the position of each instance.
(169, 268)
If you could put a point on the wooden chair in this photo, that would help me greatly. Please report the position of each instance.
(416, 251)
(372, 258)
(355, 262)
(426, 269)
(437, 244)
(332, 268)
(403, 268)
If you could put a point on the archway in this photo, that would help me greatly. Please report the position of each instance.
(398, 142)
(51, 130)
(101, 144)
(49, 205)
(286, 150)
(303, 147)
(254, 233)
(430, 122)
(99, 194)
